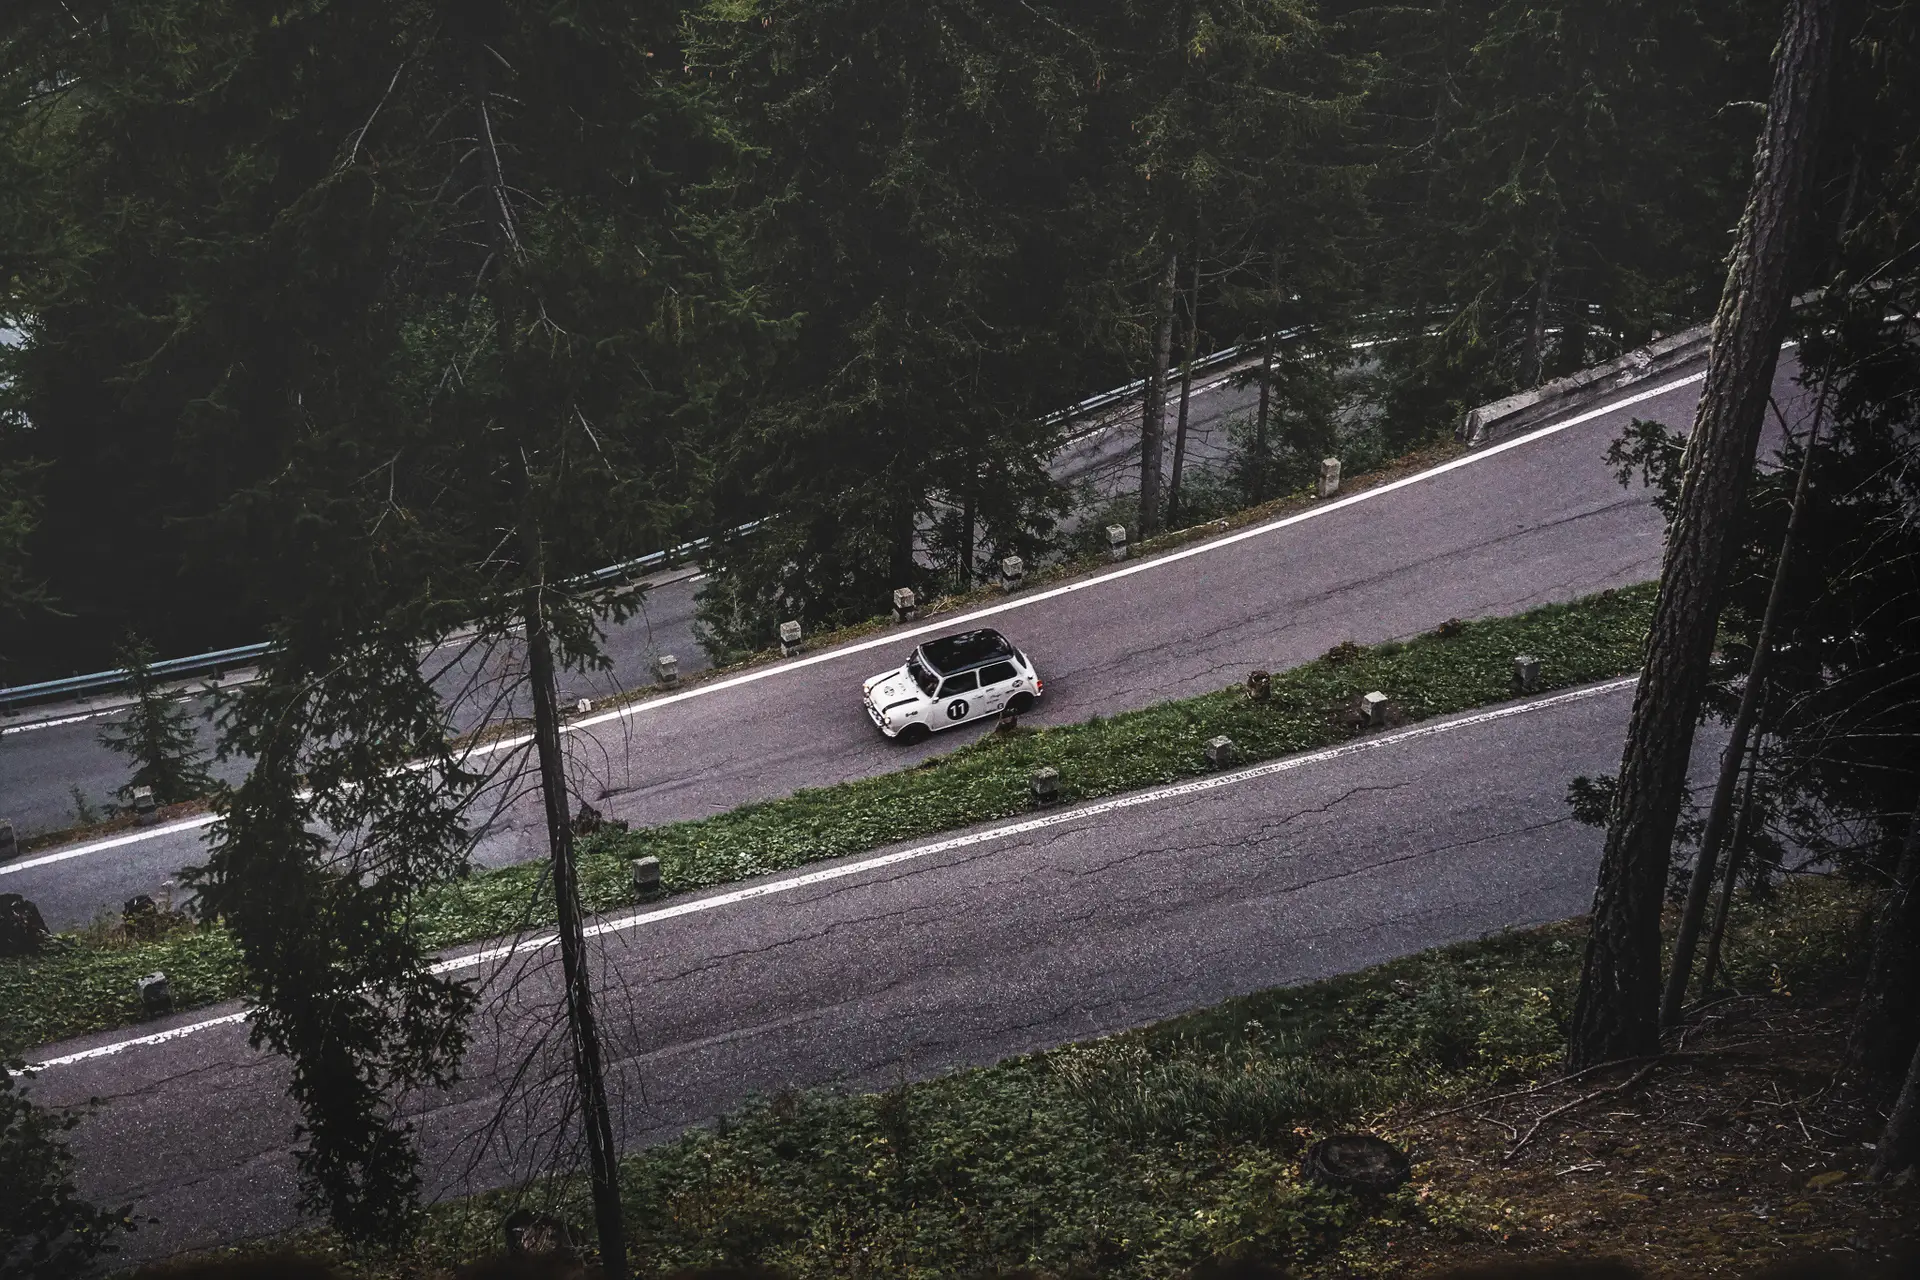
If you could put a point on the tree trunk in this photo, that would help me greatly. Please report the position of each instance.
(1617, 1011)
(1186, 394)
(1700, 888)
(1533, 350)
(900, 565)
(1260, 463)
(589, 1078)
(1742, 835)
(584, 1034)
(1570, 355)
(1899, 1145)
(1153, 416)
(968, 514)
(1886, 1023)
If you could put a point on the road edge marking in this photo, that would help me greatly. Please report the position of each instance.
(913, 853)
(948, 623)
(121, 1046)
(1111, 575)
(132, 837)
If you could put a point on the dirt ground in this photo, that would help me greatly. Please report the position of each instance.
(1745, 1147)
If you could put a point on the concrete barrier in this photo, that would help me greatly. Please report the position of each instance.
(1518, 412)
(156, 995)
(646, 877)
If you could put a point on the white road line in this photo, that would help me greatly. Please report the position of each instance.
(133, 837)
(158, 1037)
(914, 853)
(55, 724)
(894, 638)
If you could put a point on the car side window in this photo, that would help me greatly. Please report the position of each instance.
(996, 673)
(965, 682)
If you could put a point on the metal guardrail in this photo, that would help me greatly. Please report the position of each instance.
(101, 681)
(1201, 364)
(657, 559)
(225, 659)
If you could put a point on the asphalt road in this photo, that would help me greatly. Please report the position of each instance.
(1541, 522)
(48, 753)
(963, 955)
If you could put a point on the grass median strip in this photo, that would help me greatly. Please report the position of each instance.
(87, 982)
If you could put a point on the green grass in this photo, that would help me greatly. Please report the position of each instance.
(88, 986)
(1139, 1154)
(85, 981)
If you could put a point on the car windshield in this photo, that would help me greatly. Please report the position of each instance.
(921, 676)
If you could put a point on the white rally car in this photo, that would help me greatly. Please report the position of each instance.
(950, 681)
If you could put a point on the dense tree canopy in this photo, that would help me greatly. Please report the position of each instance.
(933, 224)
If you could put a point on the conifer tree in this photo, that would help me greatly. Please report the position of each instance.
(157, 735)
(436, 330)
(1539, 207)
(1207, 104)
(907, 207)
(21, 594)
(1616, 1012)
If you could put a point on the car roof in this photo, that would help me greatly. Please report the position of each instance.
(965, 650)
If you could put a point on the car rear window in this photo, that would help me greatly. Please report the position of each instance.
(997, 673)
(965, 682)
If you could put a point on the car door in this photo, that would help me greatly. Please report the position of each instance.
(997, 684)
(959, 699)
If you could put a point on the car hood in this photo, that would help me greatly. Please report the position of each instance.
(893, 686)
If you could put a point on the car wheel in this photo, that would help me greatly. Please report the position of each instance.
(914, 733)
(1020, 703)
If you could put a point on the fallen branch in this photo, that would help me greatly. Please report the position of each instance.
(1631, 1082)
(1512, 1132)
(1530, 1089)
(1569, 1078)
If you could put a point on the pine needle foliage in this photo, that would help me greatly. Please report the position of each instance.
(157, 735)
(405, 284)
